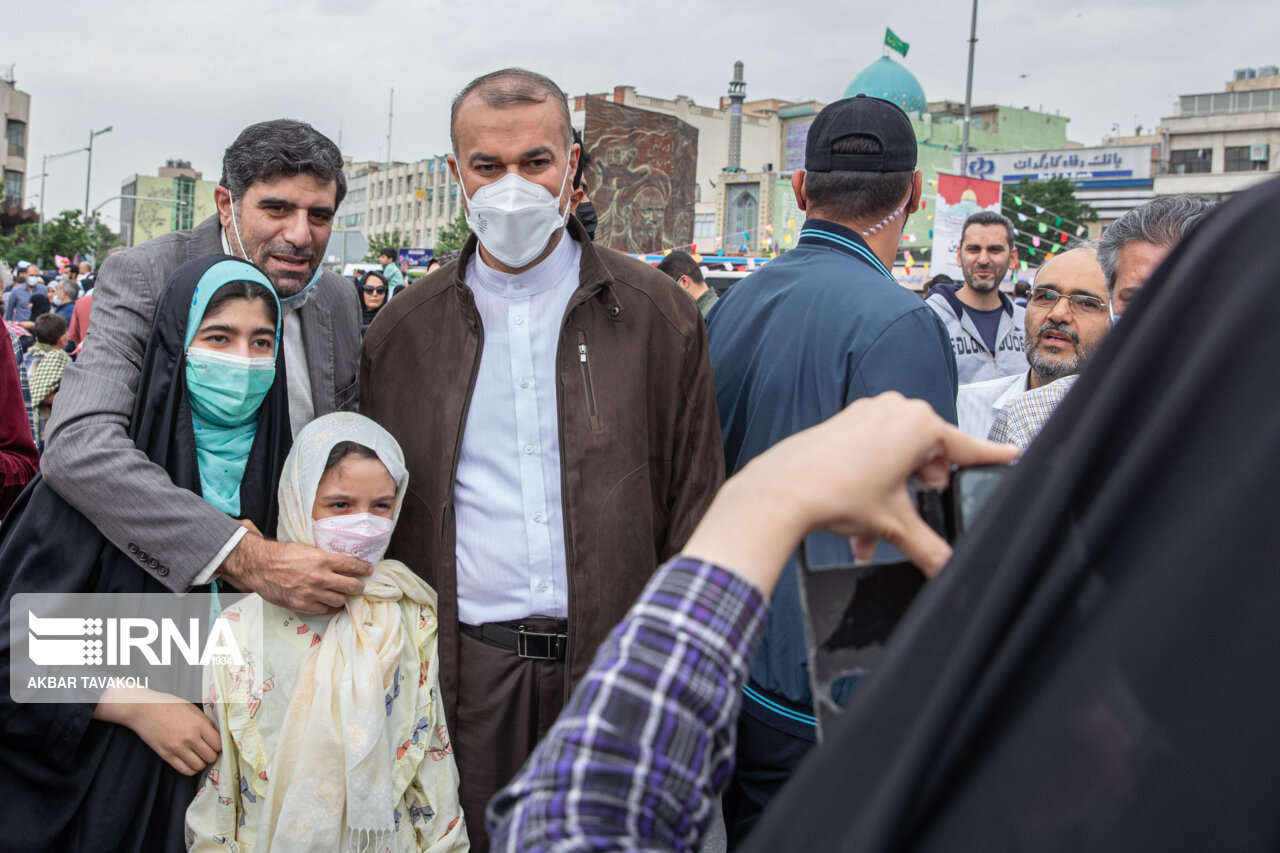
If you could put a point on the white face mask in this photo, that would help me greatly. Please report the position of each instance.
(363, 535)
(514, 217)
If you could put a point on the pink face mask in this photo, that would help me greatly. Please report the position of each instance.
(363, 535)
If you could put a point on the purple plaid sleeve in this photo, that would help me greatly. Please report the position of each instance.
(647, 739)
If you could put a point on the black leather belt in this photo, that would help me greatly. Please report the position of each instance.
(515, 637)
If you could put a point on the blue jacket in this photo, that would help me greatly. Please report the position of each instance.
(793, 344)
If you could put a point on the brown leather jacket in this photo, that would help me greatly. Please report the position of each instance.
(641, 452)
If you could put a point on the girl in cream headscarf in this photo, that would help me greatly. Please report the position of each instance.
(333, 732)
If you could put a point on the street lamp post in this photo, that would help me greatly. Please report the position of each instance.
(968, 92)
(94, 212)
(89, 171)
(44, 173)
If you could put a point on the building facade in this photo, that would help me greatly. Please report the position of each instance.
(143, 219)
(756, 211)
(758, 141)
(415, 199)
(15, 111)
(1217, 144)
(746, 153)
(1113, 179)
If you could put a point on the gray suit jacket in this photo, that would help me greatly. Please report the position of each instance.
(89, 458)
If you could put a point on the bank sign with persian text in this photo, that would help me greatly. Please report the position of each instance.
(1110, 166)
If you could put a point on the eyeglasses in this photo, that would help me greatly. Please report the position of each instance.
(369, 288)
(1081, 303)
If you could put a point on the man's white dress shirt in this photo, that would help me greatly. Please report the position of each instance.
(508, 500)
(978, 403)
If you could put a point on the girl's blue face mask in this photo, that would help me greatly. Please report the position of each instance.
(226, 390)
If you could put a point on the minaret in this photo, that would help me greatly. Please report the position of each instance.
(737, 94)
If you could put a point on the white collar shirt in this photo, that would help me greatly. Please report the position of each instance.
(508, 501)
(978, 403)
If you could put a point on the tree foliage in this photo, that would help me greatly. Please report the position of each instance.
(67, 235)
(453, 236)
(1051, 204)
(395, 238)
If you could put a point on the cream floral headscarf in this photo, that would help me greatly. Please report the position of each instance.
(341, 734)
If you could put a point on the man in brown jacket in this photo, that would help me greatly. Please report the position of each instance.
(557, 413)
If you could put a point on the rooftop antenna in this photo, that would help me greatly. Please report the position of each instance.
(391, 114)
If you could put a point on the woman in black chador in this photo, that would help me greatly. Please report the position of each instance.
(212, 411)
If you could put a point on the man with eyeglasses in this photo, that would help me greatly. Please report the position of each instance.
(1067, 317)
(1128, 252)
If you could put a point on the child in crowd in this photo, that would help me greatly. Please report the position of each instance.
(333, 732)
(45, 362)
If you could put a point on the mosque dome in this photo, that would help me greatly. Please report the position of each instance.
(887, 79)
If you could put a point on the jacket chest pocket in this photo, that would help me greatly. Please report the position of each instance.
(584, 363)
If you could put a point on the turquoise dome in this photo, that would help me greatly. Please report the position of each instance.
(886, 79)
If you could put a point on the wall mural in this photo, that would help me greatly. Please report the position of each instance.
(643, 177)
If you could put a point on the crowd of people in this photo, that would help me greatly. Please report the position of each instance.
(507, 598)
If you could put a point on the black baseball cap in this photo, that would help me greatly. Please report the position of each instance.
(866, 116)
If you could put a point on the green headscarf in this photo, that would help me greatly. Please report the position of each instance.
(224, 435)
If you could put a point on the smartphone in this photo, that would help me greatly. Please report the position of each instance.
(953, 510)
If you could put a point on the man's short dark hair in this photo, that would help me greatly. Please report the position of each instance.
(1021, 287)
(393, 254)
(988, 217)
(281, 148)
(509, 87)
(49, 328)
(856, 196)
(680, 263)
(584, 159)
(1161, 222)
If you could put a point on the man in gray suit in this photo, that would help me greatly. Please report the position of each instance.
(281, 185)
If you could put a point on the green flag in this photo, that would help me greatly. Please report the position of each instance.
(894, 43)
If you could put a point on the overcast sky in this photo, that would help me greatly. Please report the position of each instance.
(179, 80)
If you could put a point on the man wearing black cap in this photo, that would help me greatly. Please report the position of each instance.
(792, 345)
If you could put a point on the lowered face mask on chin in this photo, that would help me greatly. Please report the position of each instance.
(362, 535)
(514, 218)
